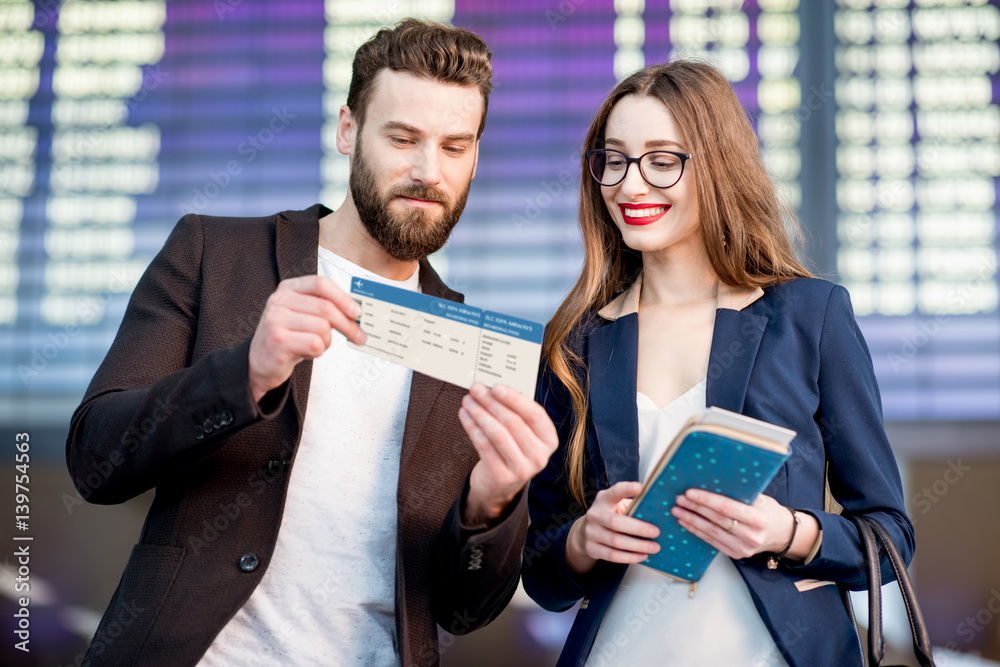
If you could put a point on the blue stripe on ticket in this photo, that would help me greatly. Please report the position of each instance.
(508, 325)
(513, 326)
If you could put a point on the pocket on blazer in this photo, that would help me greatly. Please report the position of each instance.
(130, 615)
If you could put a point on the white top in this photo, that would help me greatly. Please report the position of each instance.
(651, 620)
(327, 597)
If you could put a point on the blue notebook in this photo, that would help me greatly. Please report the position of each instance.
(719, 451)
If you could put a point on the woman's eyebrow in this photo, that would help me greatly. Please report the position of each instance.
(655, 143)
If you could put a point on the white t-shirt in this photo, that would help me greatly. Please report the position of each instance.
(651, 620)
(328, 595)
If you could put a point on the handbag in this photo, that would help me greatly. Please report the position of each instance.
(872, 532)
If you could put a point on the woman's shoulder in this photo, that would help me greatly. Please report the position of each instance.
(803, 287)
(805, 294)
(808, 303)
(587, 322)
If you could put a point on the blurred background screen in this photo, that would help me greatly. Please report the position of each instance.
(880, 125)
(878, 119)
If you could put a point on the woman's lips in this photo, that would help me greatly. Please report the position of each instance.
(642, 214)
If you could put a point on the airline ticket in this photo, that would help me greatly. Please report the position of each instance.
(446, 340)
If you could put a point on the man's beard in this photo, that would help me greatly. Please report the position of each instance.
(408, 236)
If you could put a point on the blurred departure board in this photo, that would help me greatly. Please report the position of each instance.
(118, 117)
(918, 157)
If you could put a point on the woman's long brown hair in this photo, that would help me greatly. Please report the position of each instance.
(743, 222)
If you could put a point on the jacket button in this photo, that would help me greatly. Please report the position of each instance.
(227, 417)
(275, 465)
(207, 425)
(249, 562)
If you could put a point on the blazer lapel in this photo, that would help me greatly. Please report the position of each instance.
(423, 392)
(613, 364)
(734, 348)
(297, 254)
(423, 388)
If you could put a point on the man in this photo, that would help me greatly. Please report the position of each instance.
(230, 388)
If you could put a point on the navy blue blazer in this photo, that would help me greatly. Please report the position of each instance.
(796, 358)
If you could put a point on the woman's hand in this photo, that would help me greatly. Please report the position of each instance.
(605, 533)
(740, 530)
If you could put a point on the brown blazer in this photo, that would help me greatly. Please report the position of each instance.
(170, 408)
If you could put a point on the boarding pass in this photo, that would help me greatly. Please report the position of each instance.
(447, 340)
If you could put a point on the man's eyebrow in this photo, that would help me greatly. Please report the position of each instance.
(398, 125)
(391, 125)
(656, 143)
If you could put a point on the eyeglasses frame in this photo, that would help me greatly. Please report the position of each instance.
(684, 157)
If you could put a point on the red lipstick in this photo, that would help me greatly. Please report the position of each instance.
(642, 214)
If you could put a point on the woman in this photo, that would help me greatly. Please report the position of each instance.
(691, 296)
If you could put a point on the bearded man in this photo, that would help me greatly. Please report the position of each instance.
(314, 504)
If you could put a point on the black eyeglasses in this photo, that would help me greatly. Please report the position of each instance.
(661, 169)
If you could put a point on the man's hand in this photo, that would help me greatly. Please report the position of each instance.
(514, 438)
(297, 324)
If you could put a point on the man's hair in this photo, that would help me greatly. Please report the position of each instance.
(426, 49)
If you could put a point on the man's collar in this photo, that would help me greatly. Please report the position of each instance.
(430, 283)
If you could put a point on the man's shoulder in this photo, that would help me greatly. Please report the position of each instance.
(308, 216)
(295, 230)
(230, 221)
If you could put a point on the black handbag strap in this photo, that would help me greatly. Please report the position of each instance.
(876, 640)
(921, 639)
(871, 530)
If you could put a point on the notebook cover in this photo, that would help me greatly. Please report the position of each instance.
(705, 461)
